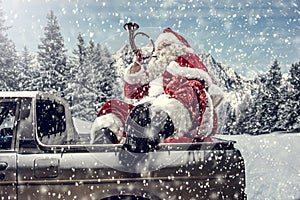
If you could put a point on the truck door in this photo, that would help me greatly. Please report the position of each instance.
(39, 173)
(8, 178)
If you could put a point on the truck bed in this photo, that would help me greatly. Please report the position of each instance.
(39, 165)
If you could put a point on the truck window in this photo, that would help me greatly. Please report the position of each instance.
(7, 121)
(51, 121)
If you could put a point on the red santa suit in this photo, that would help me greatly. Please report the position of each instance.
(181, 87)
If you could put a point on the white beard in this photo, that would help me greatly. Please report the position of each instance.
(158, 65)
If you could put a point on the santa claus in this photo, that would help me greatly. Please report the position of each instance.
(177, 100)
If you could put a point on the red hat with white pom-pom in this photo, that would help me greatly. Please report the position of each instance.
(169, 36)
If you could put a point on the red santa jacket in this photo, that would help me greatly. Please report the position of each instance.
(183, 80)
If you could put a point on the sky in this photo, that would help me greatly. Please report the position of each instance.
(247, 36)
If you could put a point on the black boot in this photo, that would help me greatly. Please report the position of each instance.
(105, 136)
(145, 129)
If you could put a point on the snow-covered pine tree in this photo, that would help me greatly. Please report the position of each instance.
(52, 58)
(274, 80)
(251, 123)
(267, 102)
(290, 107)
(246, 113)
(104, 74)
(95, 78)
(294, 79)
(231, 120)
(81, 51)
(83, 97)
(8, 59)
(27, 72)
(103, 77)
(77, 72)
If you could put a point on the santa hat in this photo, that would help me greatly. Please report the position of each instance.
(171, 36)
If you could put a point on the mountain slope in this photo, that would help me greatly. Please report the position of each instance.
(223, 76)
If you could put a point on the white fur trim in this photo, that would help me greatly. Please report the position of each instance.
(169, 38)
(191, 73)
(166, 37)
(135, 78)
(217, 95)
(156, 87)
(146, 99)
(207, 120)
(110, 121)
(178, 113)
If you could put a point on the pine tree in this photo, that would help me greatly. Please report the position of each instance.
(76, 62)
(231, 119)
(247, 111)
(8, 59)
(81, 51)
(52, 58)
(267, 102)
(27, 72)
(95, 78)
(104, 74)
(290, 108)
(276, 95)
(294, 79)
(83, 97)
(255, 114)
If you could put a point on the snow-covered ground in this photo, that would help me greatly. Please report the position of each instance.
(272, 165)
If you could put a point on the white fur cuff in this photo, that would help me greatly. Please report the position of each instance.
(191, 73)
(207, 119)
(178, 113)
(110, 121)
(216, 94)
(135, 78)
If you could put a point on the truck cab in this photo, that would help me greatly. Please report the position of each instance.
(42, 156)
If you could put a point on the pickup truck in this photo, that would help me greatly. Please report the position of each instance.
(42, 156)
